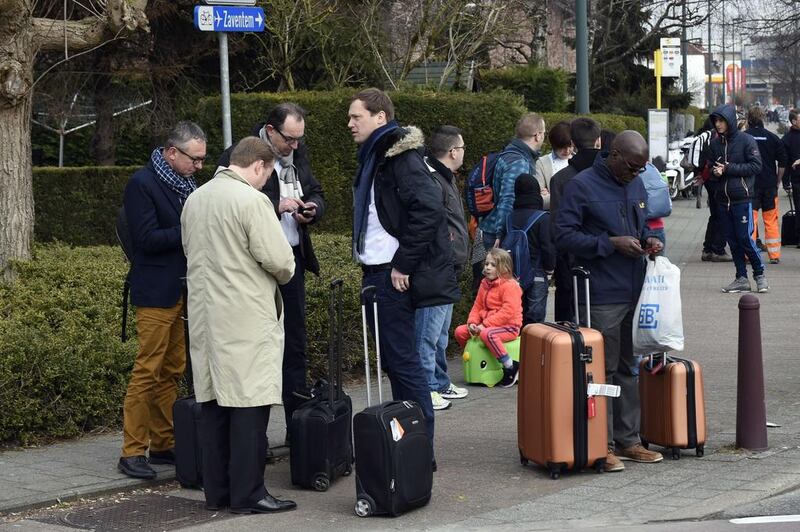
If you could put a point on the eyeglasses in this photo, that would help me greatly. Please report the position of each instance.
(290, 140)
(195, 160)
(464, 147)
(634, 169)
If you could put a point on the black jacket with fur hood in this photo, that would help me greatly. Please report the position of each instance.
(411, 207)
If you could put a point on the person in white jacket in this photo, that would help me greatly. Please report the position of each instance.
(557, 159)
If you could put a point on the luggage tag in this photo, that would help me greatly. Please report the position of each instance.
(591, 403)
(397, 429)
(606, 390)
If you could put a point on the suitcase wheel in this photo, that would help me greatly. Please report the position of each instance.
(700, 451)
(600, 466)
(522, 459)
(321, 482)
(364, 508)
(676, 453)
(555, 475)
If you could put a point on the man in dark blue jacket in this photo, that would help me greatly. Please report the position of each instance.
(154, 198)
(735, 162)
(601, 222)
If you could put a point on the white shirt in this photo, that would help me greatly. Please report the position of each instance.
(379, 246)
(288, 223)
(558, 163)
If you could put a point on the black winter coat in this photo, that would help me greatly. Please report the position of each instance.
(312, 192)
(791, 142)
(739, 151)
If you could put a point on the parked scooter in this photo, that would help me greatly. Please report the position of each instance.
(679, 173)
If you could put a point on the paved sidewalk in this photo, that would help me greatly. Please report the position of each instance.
(480, 483)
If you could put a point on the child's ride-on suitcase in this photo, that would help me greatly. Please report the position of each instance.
(321, 429)
(559, 425)
(481, 366)
(393, 453)
(673, 410)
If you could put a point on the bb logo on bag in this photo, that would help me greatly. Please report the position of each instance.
(648, 316)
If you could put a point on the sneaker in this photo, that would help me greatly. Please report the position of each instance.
(740, 284)
(707, 256)
(613, 463)
(454, 392)
(439, 403)
(637, 453)
(721, 257)
(510, 375)
(761, 284)
(774, 261)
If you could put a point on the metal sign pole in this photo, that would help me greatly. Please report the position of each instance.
(225, 80)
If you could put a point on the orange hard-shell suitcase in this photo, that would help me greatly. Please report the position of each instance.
(559, 426)
(673, 407)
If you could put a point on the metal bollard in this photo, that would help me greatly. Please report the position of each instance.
(751, 410)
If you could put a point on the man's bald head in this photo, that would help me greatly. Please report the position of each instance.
(628, 157)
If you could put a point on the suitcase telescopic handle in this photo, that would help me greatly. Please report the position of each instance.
(579, 271)
(369, 295)
(335, 342)
(791, 203)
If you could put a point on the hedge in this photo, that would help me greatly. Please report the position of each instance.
(63, 369)
(79, 205)
(542, 88)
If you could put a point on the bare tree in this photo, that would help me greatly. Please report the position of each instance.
(22, 36)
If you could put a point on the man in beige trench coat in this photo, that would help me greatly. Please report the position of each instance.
(237, 256)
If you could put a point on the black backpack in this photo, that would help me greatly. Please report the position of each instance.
(126, 243)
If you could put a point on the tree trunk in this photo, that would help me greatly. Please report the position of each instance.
(16, 183)
(103, 139)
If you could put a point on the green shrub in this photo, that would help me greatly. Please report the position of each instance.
(542, 88)
(63, 369)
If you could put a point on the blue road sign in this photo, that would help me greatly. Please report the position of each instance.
(228, 18)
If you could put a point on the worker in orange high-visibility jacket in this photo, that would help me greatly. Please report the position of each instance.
(773, 158)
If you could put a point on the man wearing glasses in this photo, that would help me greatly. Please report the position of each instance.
(518, 157)
(153, 200)
(300, 202)
(601, 222)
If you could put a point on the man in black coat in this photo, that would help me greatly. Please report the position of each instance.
(400, 238)
(791, 144)
(585, 134)
(299, 202)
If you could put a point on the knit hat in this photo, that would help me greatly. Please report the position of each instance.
(527, 194)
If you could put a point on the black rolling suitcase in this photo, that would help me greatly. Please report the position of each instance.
(321, 429)
(789, 226)
(185, 420)
(394, 472)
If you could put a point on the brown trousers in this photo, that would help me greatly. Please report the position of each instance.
(153, 387)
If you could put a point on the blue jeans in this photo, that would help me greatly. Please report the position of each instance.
(398, 356)
(432, 332)
(534, 299)
(736, 223)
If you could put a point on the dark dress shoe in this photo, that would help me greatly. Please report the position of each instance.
(163, 457)
(216, 507)
(268, 504)
(136, 467)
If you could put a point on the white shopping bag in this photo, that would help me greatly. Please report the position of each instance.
(658, 323)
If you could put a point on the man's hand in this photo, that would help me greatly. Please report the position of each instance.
(497, 243)
(718, 169)
(289, 205)
(627, 245)
(654, 245)
(400, 281)
(310, 210)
